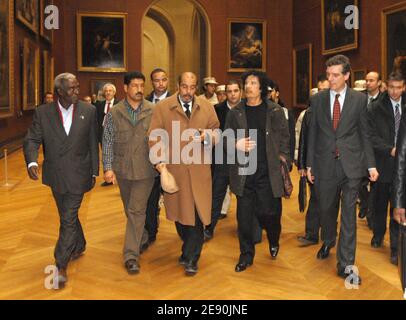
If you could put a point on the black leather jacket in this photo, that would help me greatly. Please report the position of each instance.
(302, 154)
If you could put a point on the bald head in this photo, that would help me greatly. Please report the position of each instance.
(187, 84)
(373, 80)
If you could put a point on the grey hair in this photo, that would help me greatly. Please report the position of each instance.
(110, 85)
(61, 78)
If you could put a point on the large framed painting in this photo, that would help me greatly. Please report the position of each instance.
(302, 74)
(394, 40)
(101, 42)
(30, 74)
(335, 36)
(47, 72)
(27, 13)
(45, 33)
(246, 45)
(6, 58)
(96, 87)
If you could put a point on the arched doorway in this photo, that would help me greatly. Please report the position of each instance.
(175, 38)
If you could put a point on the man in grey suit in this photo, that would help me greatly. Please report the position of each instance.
(338, 157)
(67, 129)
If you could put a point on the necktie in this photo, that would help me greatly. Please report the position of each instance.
(108, 107)
(397, 121)
(156, 100)
(370, 100)
(336, 112)
(186, 106)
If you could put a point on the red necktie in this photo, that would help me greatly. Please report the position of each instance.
(108, 107)
(336, 112)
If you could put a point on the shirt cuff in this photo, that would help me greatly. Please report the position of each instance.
(32, 164)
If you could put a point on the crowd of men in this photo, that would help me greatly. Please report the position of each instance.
(351, 146)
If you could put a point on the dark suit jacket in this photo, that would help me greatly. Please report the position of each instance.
(352, 137)
(69, 161)
(382, 124)
(221, 111)
(100, 116)
(151, 96)
(303, 140)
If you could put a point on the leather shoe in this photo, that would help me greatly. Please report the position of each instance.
(182, 261)
(208, 235)
(241, 266)
(274, 251)
(376, 242)
(394, 257)
(132, 266)
(350, 276)
(60, 279)
(324, 252)
(191, 268)
(307, 241)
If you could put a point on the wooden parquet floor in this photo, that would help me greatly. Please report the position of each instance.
(29, 227)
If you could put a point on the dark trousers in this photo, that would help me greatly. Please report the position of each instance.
(363, 195)
(192, 237)
(71, 238)
(220, 184)
(257, 200)
(329, 192)
(382, 199)
(312, 224)
(152, 213)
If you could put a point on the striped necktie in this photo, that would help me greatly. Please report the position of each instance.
(397, 121)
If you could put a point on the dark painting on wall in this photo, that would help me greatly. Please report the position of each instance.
(302, 74)
(394, 35)
(246, 45)
(27, 12)
(30, 74)
(6, 59)
(335, 35)
(101, 42)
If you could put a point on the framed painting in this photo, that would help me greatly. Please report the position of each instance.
(357, 75)
(30, 75)
(6, 58)
(393, 40)
(335, 36)
(45, 33)
(27, 13)
(47, 72)
(302, 74)
(101, 42)
(96, 87)
(246, 45)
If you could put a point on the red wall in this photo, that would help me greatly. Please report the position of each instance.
(307, 28)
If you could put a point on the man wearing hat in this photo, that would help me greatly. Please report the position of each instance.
(360, 86)
(209, 88)
(221, 93)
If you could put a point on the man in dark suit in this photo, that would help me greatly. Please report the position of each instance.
(68, 131)
(159, 80)
(385, 116)
(103, 108)
(339, 154)
(221, 179)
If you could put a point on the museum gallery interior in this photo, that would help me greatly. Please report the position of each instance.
(102, 43)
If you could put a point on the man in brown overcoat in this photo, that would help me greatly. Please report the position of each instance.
(187, 120)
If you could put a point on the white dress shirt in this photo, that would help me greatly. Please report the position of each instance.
(394, 103)
(160, 98)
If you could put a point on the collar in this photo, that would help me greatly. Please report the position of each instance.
(111, 102)
(128, 105)
(230, 107)
(394, 103)
(373, 97)
(161, 97)
(63, 109)
(342, 93)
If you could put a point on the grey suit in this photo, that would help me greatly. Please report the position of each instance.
(70, 161)
(339, 176)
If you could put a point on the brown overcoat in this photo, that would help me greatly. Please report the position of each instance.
(194, 179)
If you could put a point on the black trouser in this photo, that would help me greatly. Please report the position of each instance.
(329, 193)
(363, 196)
(71, 238)
(382, 199)
(220, 184)
(193, 238)
(152, 213)
(257, 200)
(312, 225)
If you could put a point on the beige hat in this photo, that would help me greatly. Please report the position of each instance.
(221, 88)
(209, 80)
(313, 91)
(360, 85)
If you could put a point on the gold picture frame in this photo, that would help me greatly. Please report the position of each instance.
(47, 72)
(335, 37)
(390, 54)
(101, 41)
(46, 34)
(30, 75)
(302, 74)
(7, 59)
(246, 45)
(27, 13)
